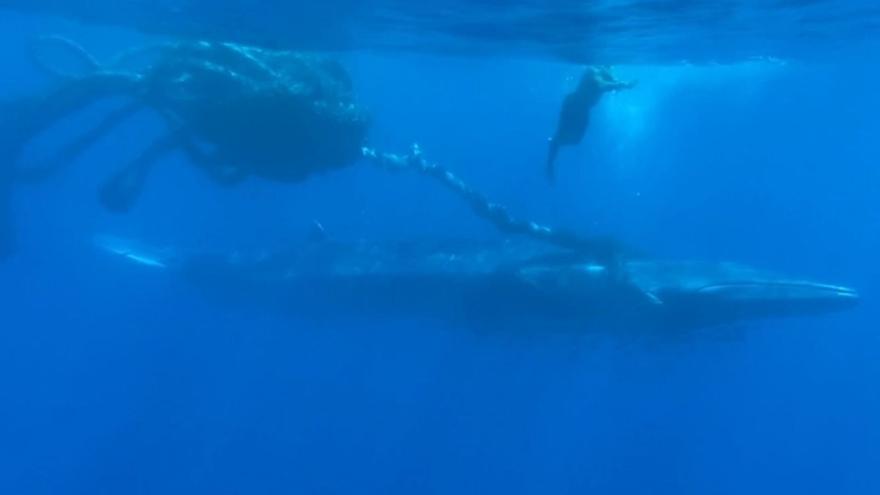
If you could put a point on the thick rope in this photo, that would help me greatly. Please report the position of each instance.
(37, 47)
(496, 214)
(69, 152)
(39, 59)
(602, 248)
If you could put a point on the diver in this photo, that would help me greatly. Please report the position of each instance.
(574, 116)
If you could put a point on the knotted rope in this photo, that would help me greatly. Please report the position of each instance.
(600, 247)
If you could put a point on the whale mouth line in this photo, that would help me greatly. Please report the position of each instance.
(783, 291)
(806, 286)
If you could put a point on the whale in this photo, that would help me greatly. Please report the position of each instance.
(503, 282)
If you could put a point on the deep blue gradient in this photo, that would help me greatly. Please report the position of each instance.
(115, 379)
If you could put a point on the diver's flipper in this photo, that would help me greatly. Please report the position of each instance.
(120, 192)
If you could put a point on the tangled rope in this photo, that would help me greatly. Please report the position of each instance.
(600, 247)
(172, 86)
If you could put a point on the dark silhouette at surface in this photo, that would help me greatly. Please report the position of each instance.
(235, 111)
(574, 116)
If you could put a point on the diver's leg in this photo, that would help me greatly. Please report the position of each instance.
(120, 192)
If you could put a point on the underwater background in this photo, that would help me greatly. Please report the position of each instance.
(117, 379)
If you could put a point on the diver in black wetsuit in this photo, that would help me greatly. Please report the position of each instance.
(574, 116)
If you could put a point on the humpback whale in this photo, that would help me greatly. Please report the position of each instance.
(503, 282)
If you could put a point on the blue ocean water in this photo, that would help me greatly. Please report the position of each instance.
(117, 379)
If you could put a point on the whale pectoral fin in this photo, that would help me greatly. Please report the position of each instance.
(122, 189)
